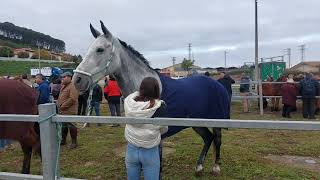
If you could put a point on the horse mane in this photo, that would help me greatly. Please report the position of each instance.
(134, 52)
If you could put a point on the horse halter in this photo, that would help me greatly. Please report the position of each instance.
(90, 75)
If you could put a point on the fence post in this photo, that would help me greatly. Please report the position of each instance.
(48, 136)
(260, 97)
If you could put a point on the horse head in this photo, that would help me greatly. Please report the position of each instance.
(101, 59)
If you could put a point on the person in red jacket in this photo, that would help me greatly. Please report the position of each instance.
(289, 97)
(112, 94)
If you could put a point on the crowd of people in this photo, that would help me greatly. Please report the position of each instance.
(143, 140)
(308, 88)
(69, 102)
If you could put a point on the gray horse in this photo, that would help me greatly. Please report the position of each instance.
(194, 97)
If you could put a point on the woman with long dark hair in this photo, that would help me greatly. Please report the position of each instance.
(144, 139)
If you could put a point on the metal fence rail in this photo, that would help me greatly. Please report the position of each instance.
(48, 133)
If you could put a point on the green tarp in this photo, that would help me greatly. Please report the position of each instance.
(273, 69)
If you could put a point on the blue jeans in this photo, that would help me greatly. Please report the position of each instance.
(138, 159)
(96, 107)
(4, 143)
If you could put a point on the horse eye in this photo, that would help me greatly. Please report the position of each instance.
(100, 50)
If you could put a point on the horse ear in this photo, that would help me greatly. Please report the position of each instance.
(104, 29)
(94, 32)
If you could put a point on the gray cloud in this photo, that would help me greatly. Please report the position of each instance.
(162, 29)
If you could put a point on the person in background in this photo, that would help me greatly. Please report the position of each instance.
(289, 97)
(67, 105)
(83, 103)
(309, 89)
(244, 91)
(226, 81)
(26, 80)
(144, 139)
(96, 100)
(113, 94)
(43, 88)
(207, 74)
(55, 88)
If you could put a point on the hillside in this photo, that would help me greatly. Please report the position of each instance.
(14, 36)
(14, 68)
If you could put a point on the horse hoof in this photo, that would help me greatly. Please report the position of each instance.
(199, 170)
(216, 170)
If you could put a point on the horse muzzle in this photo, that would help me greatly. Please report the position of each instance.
(82, 82)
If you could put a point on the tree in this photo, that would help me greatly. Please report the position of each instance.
(20, 35)
(44, 54)
(66, 57)
(187, 64)
(6, 52)
(23, 55)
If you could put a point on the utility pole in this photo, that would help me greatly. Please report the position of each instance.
(39, 59)
(257, 59)
(256, 41)
(225, 60)
(302, 49)
(192, 57)
(189, 49)
(288, 53)
(173, 61)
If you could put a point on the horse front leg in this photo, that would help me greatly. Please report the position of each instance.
(277, 104)
(207, 138)
(216, 150)
(272, 104)
(27, 152)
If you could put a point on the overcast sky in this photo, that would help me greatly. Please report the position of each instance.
(162, 29)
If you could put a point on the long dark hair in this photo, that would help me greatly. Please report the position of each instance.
(149, 90)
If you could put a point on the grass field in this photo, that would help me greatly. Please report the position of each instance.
(14, 68)
(243, 153)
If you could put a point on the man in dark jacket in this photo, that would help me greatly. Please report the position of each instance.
(96, 100)
(309, 88)
(289, 97)
(226, 81)
(244, 91)
(82, 100)
(43, 88)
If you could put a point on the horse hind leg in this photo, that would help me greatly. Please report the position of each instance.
(27, 152)
(207, 138)
(216, 151)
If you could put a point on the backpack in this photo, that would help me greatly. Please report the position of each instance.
(309, 88)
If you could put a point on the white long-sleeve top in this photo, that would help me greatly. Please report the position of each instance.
(142, 135)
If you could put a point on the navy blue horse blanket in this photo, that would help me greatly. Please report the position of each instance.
(194, 97)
